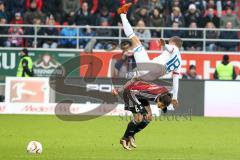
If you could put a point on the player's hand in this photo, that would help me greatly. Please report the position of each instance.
(175, 103)
(162, 42)
(115, 92)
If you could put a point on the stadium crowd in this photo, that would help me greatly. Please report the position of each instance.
(191, 14)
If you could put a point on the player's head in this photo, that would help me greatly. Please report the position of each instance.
(24, 52)
(177, 41)
(164, 100)
(225, 59)
(125, 45)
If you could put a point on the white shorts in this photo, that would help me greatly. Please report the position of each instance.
(147, 69)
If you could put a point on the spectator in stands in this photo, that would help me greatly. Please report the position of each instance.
(228, 3)
(124, 67)
(102, 32)
(225, 70)
(50, 31)
(69, 42)
(86, 32)
(83, 15)
(3, 30)
(29, 42)
(211, 34)
(33, 13)
(53, 7)
(174, 31)
(93, 5)
(17, 18)
(3, 13)
(141, 14)
(175, 3)
(25, 66)
(39, 4)
(229, 17)
(231, 35)
(193, 15)
(199, 4)
(151, 4)
(156, 20)
(141, 32)
(156, 4)
(193, 34)
(104, 14)
(112, 5)
(211, 4)
(13, 6)
(69, 8)
(15, 40)
(211, 17)
(176, 16)
(191, 73)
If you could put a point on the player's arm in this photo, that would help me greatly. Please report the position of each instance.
(176, 75)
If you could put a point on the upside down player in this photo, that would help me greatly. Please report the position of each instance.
(136, 95)
(139, 93)
(168, 61)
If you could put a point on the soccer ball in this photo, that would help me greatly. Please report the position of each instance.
(34, 147)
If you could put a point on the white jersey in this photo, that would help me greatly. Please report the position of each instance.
(170, 58)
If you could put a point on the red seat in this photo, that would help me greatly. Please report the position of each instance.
(154, 45)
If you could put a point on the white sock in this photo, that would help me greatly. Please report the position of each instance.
(126, 26)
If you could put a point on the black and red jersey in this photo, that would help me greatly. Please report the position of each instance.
(143, 90)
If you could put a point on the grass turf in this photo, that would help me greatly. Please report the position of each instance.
(198, 139)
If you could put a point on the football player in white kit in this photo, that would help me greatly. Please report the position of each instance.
(168, 61)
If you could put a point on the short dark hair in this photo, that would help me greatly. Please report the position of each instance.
(166, 99)
(25, 50)
(225, 57)
(192, 67)
(125, 43)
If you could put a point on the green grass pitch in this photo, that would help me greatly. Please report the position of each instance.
(198, 139)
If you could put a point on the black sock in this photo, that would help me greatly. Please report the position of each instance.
(141, 126)
(132, 125)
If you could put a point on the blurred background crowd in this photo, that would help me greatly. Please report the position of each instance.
(176, 14)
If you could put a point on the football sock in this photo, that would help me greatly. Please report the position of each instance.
(126, 26)
(141, 126)
(132, 125)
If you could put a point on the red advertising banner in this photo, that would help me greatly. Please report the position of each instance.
(205, 63)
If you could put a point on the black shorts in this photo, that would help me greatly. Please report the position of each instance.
(139, 109)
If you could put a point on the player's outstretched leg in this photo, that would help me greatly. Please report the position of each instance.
(140, 54)
(147, 70)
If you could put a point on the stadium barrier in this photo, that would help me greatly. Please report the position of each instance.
(202, 98)
(118, 35)
(221, 99)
